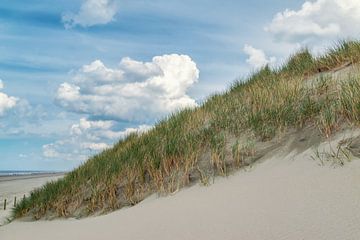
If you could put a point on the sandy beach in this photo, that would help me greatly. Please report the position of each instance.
(18, 186)
(287, 196)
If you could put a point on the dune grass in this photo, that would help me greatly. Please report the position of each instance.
(192, 145)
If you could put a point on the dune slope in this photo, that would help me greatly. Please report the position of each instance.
(228, 132)
(288, 194)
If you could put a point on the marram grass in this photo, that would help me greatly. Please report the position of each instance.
(195, 145)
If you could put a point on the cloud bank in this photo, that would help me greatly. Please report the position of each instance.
(6, 102)
(134, 91)
(321, 19)
(257, 57)
(92, 12)
(86, 138)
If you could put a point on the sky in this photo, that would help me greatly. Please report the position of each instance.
(78, 75)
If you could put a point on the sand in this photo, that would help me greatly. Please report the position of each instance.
(286, 196)
(18, 186)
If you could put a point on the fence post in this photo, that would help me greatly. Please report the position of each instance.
(15, 201)
(5, 204)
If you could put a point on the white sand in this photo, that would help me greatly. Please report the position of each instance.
(288, 197)
(18, 186)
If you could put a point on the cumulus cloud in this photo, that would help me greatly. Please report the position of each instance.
(98, 130)
(320, 19)
(6, 102)
(257, 57)
(49, 150)
(88, 137)
(133, 91)
(92, 12)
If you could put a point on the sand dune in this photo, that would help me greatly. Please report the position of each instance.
(288, 196)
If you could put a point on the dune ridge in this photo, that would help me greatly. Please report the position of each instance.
(287, 194)
(229, 131)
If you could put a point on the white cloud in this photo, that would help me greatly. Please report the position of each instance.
(134, 91)
(88, 137)
(257, 57)
(102, 130)
(49, 150)
(94, 146)
(320, 19)
(6, 102)
(92, 12)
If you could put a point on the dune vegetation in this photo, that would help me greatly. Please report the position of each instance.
(223, 134)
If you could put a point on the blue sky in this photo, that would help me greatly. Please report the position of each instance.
(78, 75)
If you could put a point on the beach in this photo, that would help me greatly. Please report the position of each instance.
(286, 196)
(19, 185)
(180, 120)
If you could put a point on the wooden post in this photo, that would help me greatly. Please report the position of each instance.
(15, 201)
(5, 204)
(24, 197)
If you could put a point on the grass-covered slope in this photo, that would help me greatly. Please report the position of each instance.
(223, 134)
